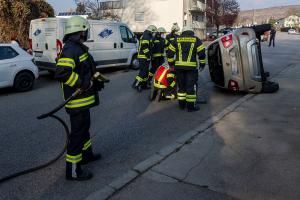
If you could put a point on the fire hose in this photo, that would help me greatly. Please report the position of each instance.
(98, 76)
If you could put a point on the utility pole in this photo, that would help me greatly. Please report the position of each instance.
(253, 17)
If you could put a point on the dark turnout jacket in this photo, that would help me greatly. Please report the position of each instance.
(75, 69)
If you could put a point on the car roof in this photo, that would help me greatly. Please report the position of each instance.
(6, 44)
(15, 47)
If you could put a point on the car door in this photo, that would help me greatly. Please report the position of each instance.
(7, 64)
(106, 50)
(127, 44)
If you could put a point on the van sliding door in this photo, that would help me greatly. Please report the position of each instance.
(105, 48)
(127, 43)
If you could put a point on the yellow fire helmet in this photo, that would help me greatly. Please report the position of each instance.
(76, 24)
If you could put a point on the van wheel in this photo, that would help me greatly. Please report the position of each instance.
(24, 82)
(134, 63)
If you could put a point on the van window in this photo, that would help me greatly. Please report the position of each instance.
(7, 53)
(127, 35)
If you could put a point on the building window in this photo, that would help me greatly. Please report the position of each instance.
(117, 5)
(139, 16)
(198, 18)
(109, 5)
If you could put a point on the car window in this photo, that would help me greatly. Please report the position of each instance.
(7, 53)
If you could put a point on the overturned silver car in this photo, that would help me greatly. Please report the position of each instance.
(235, 61)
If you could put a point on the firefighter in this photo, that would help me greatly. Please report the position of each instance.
(272, 37)
(144, 56)
(186, 47)
(165, 80)
(158, 51)
(173, 35)
(75, 69)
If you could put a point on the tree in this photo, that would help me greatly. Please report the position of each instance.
(222, 12)
(81, 8)
(272, 21)
(15, 17)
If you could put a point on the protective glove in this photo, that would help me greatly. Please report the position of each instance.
(98, 85)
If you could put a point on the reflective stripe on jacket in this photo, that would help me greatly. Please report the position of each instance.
(144, 50)
(158, 47)
(75, 68)
(184, 50)
(164, 78)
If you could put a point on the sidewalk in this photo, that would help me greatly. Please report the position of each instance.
(252, 153)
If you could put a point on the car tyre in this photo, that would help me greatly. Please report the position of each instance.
(24, 82)
(134, 63)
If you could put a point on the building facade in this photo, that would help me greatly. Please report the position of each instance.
(139, 14)
(292, 21)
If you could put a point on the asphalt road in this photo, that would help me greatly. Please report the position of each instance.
(126, 129)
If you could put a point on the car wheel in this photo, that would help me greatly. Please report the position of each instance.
(134, 63)
(24, 82)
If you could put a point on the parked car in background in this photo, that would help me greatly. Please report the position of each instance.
(17, 68)
(110, 43)
(292, 31)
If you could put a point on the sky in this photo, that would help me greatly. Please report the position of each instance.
(64, 5)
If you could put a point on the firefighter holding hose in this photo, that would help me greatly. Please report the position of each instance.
(75, 70)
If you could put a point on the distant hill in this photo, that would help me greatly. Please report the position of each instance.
(263, 15)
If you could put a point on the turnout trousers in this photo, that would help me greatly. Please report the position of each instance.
(187, 79)
(142, 77)
(79, 145)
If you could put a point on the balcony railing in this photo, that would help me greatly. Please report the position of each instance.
(199, 25)
(196, 5)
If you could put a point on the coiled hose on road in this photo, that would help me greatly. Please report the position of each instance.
(51, 114)
(33, 169)
(98, 77)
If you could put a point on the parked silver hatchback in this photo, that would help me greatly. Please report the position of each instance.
(235, 61)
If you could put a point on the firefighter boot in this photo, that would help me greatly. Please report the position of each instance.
(137, 85)
(74, 172)
(191, 107)
(88, 156)
(182, 104)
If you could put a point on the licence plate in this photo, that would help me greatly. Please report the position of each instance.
(38, 54)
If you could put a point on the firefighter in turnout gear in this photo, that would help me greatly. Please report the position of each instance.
(165, 80)
(158, 51)
(173, 35)
(75, 69)
(186, 47)
(144, 56)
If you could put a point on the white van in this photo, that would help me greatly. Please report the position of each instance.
(111, 43)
